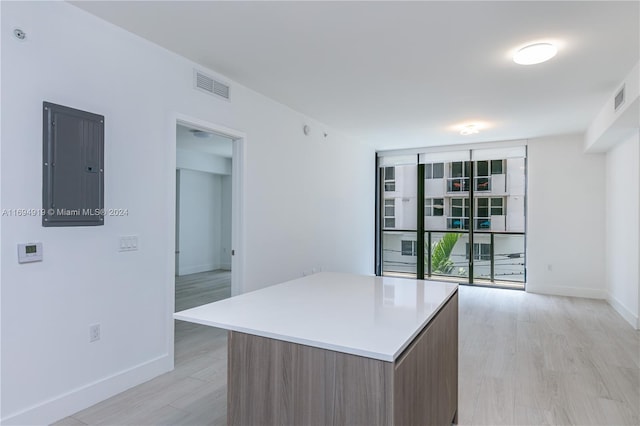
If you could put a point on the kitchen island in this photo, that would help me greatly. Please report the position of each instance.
(336, 349)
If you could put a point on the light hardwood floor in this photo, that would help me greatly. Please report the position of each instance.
(524, 359)
(202, 288)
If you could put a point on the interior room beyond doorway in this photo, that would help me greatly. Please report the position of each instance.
(203, 216)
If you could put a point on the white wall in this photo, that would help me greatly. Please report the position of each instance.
(623, 227)
(566, 216)
(610, 126)
(205, 218)
(616, 133)
(200, 222)
(309, 202)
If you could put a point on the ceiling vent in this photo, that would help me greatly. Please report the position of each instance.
(619, 99)
(208, 85)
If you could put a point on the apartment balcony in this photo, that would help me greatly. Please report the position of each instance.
(493, 223)
(498, 258)
(494, 184)
(459, 184)
(457, 222)
(482, 223)
(495, 258)
(482, 184)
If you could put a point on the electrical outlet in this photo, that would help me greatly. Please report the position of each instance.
(94, 333)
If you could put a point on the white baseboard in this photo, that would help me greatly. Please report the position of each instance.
(624, 312)
(64, 405)
(556, 290)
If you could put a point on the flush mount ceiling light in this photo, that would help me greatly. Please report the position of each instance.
(535, 53)
(469, 129)
(200, 133)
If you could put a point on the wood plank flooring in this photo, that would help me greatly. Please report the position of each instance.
(202, 288)
(525, 359)
(534, 359)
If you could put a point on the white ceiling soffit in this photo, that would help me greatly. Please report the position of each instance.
(403, 74)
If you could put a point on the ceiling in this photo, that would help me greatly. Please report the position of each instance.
(212, 144)
(402, 74)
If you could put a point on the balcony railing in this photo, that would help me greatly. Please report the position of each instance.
(459, 184)
(497, 257)
(482, 223)
(457, 222)
(482, 183)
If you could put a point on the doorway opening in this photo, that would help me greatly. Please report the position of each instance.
(209, 230)
(203, 217)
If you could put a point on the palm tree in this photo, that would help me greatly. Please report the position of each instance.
(441, 262)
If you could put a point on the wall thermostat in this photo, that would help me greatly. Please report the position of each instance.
(29, 252)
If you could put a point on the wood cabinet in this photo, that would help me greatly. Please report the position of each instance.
(426, 374)
(274, 382)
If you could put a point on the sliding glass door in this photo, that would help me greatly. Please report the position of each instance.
(472, 210)
(446, 213)
(398, 200)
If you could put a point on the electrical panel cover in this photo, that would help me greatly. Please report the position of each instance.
(72, 167)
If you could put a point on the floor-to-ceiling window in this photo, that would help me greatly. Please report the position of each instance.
(399, 217)
(456, 214)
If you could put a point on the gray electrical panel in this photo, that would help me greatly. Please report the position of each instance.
(72, 167)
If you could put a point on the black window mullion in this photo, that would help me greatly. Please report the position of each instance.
(472, 203)
(420, 223)
(379, 216)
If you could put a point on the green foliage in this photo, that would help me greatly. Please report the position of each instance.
(441, 262)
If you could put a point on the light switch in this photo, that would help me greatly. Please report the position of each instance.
(128, 243)
(29, 252)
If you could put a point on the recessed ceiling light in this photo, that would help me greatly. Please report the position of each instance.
(535, 53)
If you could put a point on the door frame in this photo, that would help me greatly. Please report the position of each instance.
(237, 210)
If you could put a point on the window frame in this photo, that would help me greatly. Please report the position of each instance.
(489, 207)
(389, 182)
(430, 194)
(466, 205)
(465, 170)
(503, 168)
(502, 206)
(413, 250)
(430, 207)
(386, 216)
(429, 171)
(479, 255)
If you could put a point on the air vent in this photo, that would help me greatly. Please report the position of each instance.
(619, 99)
(207, 84)
(221, 89)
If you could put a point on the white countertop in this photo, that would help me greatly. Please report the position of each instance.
(375, 317)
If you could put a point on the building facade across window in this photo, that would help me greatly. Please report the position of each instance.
(389, 213)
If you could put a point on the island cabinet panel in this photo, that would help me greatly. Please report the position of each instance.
(274, 382)
(426, 374)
